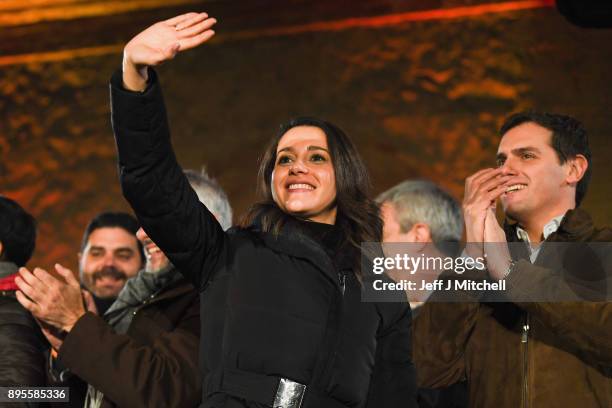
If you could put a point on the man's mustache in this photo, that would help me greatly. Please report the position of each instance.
(111, 272)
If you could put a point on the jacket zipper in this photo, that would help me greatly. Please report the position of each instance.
(525, 344)
(330, 361)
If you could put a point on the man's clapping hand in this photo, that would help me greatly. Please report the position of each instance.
(51, 301)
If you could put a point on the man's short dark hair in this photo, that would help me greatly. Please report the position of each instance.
(17, 232)
(113, 220)
(569, 139)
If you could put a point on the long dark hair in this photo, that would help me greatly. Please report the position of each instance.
(358, 216)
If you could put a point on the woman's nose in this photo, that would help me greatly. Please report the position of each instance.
(298, 167)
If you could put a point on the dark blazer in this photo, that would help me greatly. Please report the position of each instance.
(273, 306)
(154, 365)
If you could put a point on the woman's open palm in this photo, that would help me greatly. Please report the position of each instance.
(162, 41)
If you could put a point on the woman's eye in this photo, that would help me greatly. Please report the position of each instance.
(528, 156)
(317, 158)
(500, 162)
(284, 160)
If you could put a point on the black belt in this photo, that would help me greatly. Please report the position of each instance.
(268, 390)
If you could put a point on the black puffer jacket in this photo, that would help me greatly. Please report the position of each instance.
(22, 345)
(272, 306)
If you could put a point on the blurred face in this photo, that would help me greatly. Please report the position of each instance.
(392, 230)
(156, 259)
(110, 258)
(303, 179)
(539, 188)
(413, 243)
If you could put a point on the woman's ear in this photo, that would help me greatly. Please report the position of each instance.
(576, 167)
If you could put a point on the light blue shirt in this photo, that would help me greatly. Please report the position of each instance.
(551, 227)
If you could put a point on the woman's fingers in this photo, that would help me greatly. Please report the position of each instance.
(196, 29)
(191, 21)
(196, 40)
(179, 19)
(167, 53)
(161, 42)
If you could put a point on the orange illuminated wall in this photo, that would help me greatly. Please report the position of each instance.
(421, 91)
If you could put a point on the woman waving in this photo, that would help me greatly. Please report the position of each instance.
(283, 324)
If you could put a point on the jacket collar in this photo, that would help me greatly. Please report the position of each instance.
(292, 241)
(576, 225)
(550, 227)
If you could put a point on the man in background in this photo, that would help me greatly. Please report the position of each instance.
(144, 351)
(110, 254)
(22, 360)
(421, 214)
(421, 218)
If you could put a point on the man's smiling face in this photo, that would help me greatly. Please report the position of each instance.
(538, 184)
(110, 257)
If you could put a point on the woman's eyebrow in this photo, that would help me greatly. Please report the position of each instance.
(317, 148)
(288, 148)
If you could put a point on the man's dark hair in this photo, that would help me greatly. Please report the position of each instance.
(17, 232)
(113, 220)
(569, 139)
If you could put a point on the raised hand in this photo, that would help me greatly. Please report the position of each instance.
(161, 42)
(481, 192)
(55, 303)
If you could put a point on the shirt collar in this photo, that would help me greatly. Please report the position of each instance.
(551, 227)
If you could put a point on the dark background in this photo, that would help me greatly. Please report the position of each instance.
(421, 86)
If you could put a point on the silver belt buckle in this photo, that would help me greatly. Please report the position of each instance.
(289, 394)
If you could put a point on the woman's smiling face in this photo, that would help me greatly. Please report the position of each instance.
(303, 180)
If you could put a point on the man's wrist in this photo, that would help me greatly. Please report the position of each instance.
(69, 325)
(509, 269)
